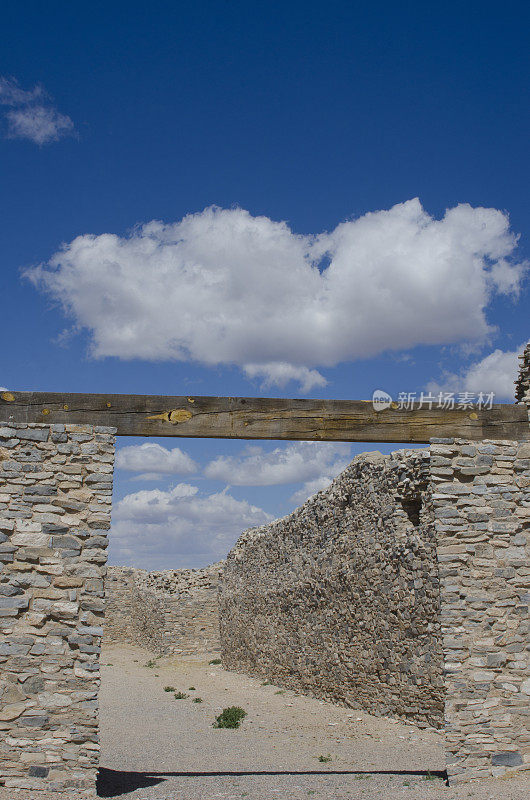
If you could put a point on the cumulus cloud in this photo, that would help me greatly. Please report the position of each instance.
(32, 114)
(178, 528)
(310, 488)
(154, 461)
(224, 287)
(495, 373)
(294, 463)
(280, 373)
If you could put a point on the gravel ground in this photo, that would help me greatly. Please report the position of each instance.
(157, 747)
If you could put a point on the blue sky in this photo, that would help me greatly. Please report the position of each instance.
(312, 128)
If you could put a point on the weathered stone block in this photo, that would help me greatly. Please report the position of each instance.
(507, 759)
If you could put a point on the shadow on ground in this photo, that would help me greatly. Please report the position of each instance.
(113, 783)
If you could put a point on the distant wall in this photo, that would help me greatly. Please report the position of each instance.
(341, 598)
(174, 611)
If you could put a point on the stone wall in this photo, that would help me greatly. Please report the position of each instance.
(482, 517)
(522, 384)
(340, 599)
(55, 501)
(169, 612)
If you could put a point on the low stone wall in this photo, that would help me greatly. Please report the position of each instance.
(55, 500)
(340, 599)
(482, 517)
(169, 612)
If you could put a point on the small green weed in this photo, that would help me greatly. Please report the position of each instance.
(431, 777)
(191, 688)
(180, 695)
(150, 664)
(169, 688)
(325, 759)
(280, 691)
(266, 683)
(215, 661)
(230, 717)
(197, 700)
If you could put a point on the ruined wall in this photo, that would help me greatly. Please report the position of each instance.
(522, 384)
(341, 598)
(482, 517)
(174, 611)
(55, 500)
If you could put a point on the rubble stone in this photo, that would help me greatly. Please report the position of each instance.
(169, 612)
(341, 598)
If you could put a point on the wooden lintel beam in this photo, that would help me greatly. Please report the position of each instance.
(263, 418)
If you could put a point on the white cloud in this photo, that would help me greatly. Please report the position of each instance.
(12, 95)
(223, 287)
(39, 124)
(293, 463)
(494, 373)
(178, 528)
(280, 373)
(32, 114)
(311, 487)
(154, 461)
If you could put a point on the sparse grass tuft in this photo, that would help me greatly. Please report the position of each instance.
(150, 664)
(266, 683)
(230, 717)
(280, 691)
(431, 777)
(169, 688)
(197, 700)
(325, 759)
(215, 661)
(180, 695)
(191, 688)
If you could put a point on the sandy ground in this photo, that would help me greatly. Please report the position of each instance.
(157, 747)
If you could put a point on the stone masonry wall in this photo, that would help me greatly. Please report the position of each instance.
(169, 612)
(482, 517)
(340, 599)
(55, 502)
(522, 384)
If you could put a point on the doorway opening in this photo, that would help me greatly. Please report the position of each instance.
(263, 629)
